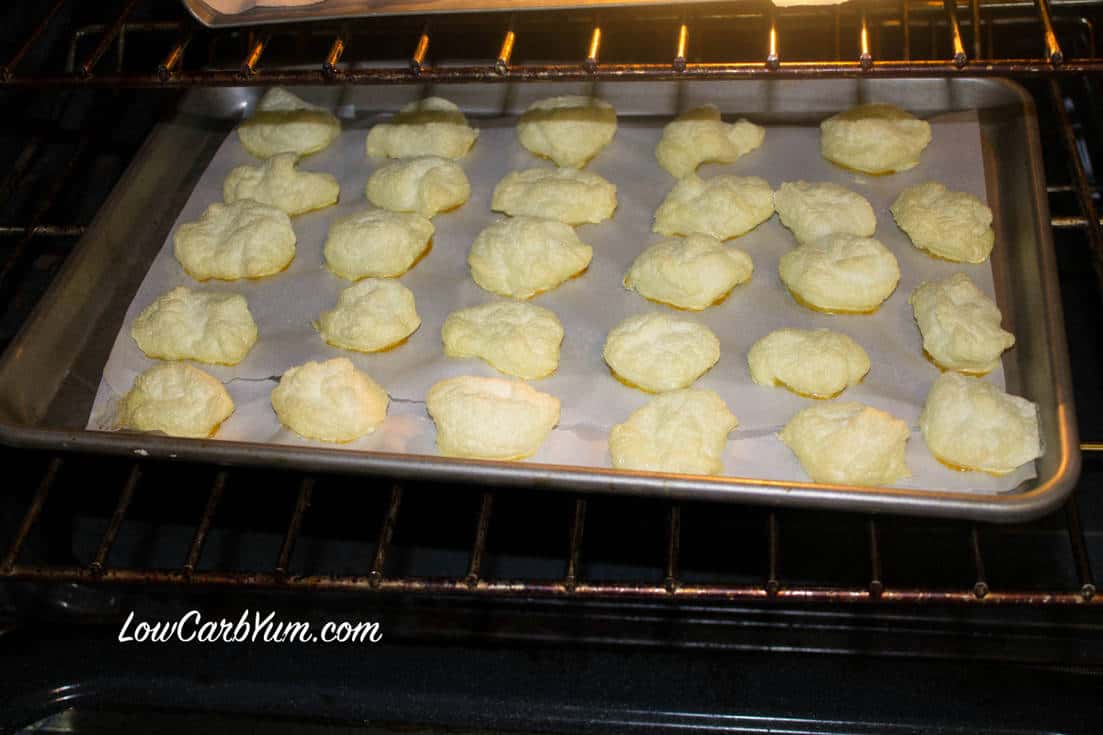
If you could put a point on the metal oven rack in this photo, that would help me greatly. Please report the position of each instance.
(858, 30)
(667, 584)
(185, 54)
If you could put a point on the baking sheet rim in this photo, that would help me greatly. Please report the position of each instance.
(1011, 506)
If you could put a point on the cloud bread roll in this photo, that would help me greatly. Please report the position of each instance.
(569, 130)
(371, 315)
(209, 327)
(375, 243)
(818, 363)
(175, 398)
(680, 431)
(564, 194)
(817, 209)
(848, 443)
(840, 274)
(514, 337)
(523, 256)
(329, 401)
(960, 325)
(429, 127)
(245, 239)
(693, 273)
(490, 418)
(278, 183)
(973, 425)
(700, 136)
(874, 139)
(657, 352)
(425, 185)
(283, 123)
(952, 225)
(723, 206)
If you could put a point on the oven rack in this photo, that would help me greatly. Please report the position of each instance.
(758, 51)
(572, 584)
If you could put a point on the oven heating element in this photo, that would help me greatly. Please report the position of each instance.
(860, 32)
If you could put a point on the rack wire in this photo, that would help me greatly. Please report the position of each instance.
(856, 57)
(963, 26)
(572, 583)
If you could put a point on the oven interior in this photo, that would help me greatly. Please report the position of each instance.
(527, 610)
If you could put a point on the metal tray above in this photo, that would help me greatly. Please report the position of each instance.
(337, 9)
(50, 372)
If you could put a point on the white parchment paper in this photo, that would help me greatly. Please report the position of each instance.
(592, 400)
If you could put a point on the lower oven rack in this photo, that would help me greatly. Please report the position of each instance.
(768, 584)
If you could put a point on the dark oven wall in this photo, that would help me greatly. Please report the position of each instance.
(524, 610)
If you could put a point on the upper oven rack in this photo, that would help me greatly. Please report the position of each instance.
(959, 28)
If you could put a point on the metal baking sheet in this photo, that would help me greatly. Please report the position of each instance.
(1024, 278)
(285, 306)
(261, 13)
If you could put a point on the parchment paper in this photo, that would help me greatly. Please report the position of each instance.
(592, 400)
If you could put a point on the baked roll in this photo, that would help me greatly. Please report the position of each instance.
(680, 431)
(429, 127)
(490, 418)
(658, 352)
(513, 337)
(371, 315)
(813, 210)
(848, 443)
(375, 243)
(175, 398)
(569, 130)
(205, 326)
(278, 183)
(283, 123)
(874, 139)
(245, 239)
(700, 136)
(960, 325)
(723, 206)
(520, 257)
(969, 424)
(427, 185)
(818, 363)
(953, 225)
(840, 274)
(329, 401)
(693, 272)
(566, 195)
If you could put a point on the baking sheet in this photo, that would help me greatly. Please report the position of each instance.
(592, 400)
